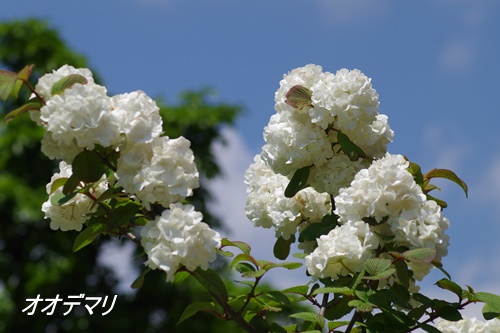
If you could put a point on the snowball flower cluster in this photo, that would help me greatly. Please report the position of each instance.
(179, 237)
(387, 192)
(468, 325)
(266, 204)
(74, 213)
(83, 115)
(344, 250)
(150, 168)
(302, 134)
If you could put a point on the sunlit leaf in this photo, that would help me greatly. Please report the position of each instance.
(447, 174)
(423, 255)
(244, 247)
(7, 83)
(67, 82)
(310, 316)
(32, 105)
(492, 307)
(22, 77)
(299, 97)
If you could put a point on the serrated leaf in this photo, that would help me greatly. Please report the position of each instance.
(298, 181)
(492, 307)
(422, 255)
(299, 97)
(57, 183)
(121, 215)
(360, 305)
(244, 257)
(22, 77)
(310, 316)
(70, 185)
(376, 265)
(140, 280)
(415, 170)
(253, 274)
(334, 290)
(353, 151)
(301, 290)
(243, 267)
(336, 324)
(194, 308)
(428, 328)
(87, 166)
(244, 247)
(30, 106)
(447, 174)
(87, 236)
(66, 83)
(212, 282)
(451, 286)
(381, 275)
(282, 246)
(7, 83)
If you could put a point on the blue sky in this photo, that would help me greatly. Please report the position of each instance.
(434, 64)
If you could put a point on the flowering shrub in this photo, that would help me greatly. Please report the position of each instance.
(364, 220)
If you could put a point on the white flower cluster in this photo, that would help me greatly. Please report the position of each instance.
(376, 199)
(302, 135)
(178, 237)
(150, 167)
(267, 206)
(468, 325)
(74, 213)
(344, 250)
(387, 192)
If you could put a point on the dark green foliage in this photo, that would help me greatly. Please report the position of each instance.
(37, 260)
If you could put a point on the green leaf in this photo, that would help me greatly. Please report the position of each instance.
(32, 105)
(70, 185)
(353, 151)
(60, 198)
(449, 312)
(301, 290)
(422, 255)
(181, 276)
(430, 329)
(375, 265)
(140, 280)
(447, 174)
(67, 82)
(243, 267)
(244, 257)
(194, 308)
(336, 324)
(492, 307)
(310, 316)
(298, 181)
(334, 290)
(381, 275)
(315, 230)
(451, 286)
(22, 77)
(87, 166)
(440, 202)
(299, 97)
(416, 172)
(121, 215)
(282, 246)
(402, 273)
(275, 328)
(58, 183)
(244, 247)
(7, 83)
(212, 282)
(361, 305)
(87, 236)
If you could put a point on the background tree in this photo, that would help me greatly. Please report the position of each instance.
(37, 260)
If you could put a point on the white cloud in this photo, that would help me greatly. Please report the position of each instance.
(457, 55)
